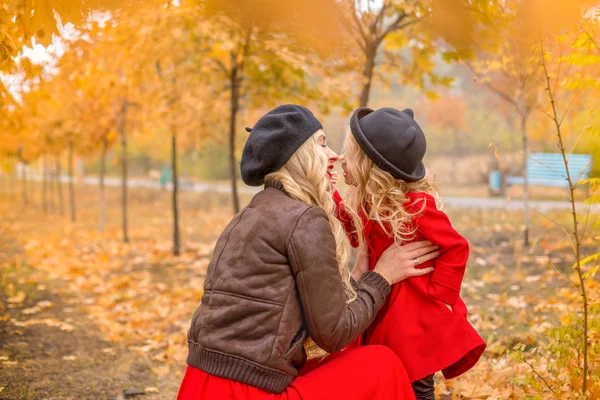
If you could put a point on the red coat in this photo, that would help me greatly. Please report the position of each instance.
(415, 321)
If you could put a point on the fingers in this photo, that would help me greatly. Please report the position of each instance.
(416, 245)
(419, 272)
(421, 252)
(429, 256)
(411, 251)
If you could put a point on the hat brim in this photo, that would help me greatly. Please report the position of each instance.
(374, 155)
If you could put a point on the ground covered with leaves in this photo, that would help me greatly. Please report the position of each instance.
(85, 316)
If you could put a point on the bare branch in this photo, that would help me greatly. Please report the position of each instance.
(548, 115)
(538, 375)
(220, 64)
(567, 109)
(583, 170)
(379, 18)
(414, 21)
(246, 49)
(559, 65)
(358, 22)
(351, 28)
(506, 97)
(577, 141)
(577, 267)
(587, 218)
(591, 39)
(567, 233)
(396, 26)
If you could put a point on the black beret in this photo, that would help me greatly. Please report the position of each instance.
(273, 140)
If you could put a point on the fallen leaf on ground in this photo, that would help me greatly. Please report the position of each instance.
(9, 363)
(18, 298)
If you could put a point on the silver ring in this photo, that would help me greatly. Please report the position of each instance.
(416, 261)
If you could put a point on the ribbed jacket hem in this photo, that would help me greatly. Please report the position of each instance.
(378, 281)
(237, 369)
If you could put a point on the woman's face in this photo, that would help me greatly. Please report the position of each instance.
(345, 160)
(332, 157)
(348, 179)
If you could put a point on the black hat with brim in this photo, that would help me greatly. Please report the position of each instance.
(392, 139)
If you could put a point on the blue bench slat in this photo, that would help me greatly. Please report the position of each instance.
(548, 169)
(558, 155)
(519, 180)
(558, 167)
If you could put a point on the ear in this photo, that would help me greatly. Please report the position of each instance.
(248, 129)
(409, 112)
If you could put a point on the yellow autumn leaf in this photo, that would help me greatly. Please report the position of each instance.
(18, 298)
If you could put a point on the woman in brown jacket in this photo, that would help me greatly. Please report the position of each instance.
(278, 284)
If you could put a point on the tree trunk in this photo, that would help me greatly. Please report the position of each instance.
(368, 75)
(71, 182)
(61, 205)
(234, 83)
(525, 178)
(176, 246)
(24, 181)
(44, 184)
(15, 182)
(31, 187)
(102, 220)
(122, 119)
(513, 144)
(50, 182)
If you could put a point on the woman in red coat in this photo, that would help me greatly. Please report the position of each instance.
(424, 321)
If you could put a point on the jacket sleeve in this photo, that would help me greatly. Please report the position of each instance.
(450, 266)
(345, 219)
(332, 323)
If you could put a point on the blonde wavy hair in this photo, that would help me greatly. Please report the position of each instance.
(304, 178)
(379, 196)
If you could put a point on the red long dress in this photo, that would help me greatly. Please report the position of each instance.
(366, 372)
(415, 321)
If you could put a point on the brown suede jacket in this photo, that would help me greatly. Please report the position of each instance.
(273, 281)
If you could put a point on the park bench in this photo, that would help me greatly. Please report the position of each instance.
(548, 169)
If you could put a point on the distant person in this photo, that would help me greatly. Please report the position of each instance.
(393, 200)
(278, 284)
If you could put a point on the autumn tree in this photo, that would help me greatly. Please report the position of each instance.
(110, 59)
(262, 58)
(177, 91)
(382, 28)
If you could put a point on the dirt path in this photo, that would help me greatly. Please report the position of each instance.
(50, 350)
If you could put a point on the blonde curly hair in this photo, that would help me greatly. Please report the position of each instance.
(304, 178)
(379, 196)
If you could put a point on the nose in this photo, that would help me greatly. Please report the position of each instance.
(332, 155)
